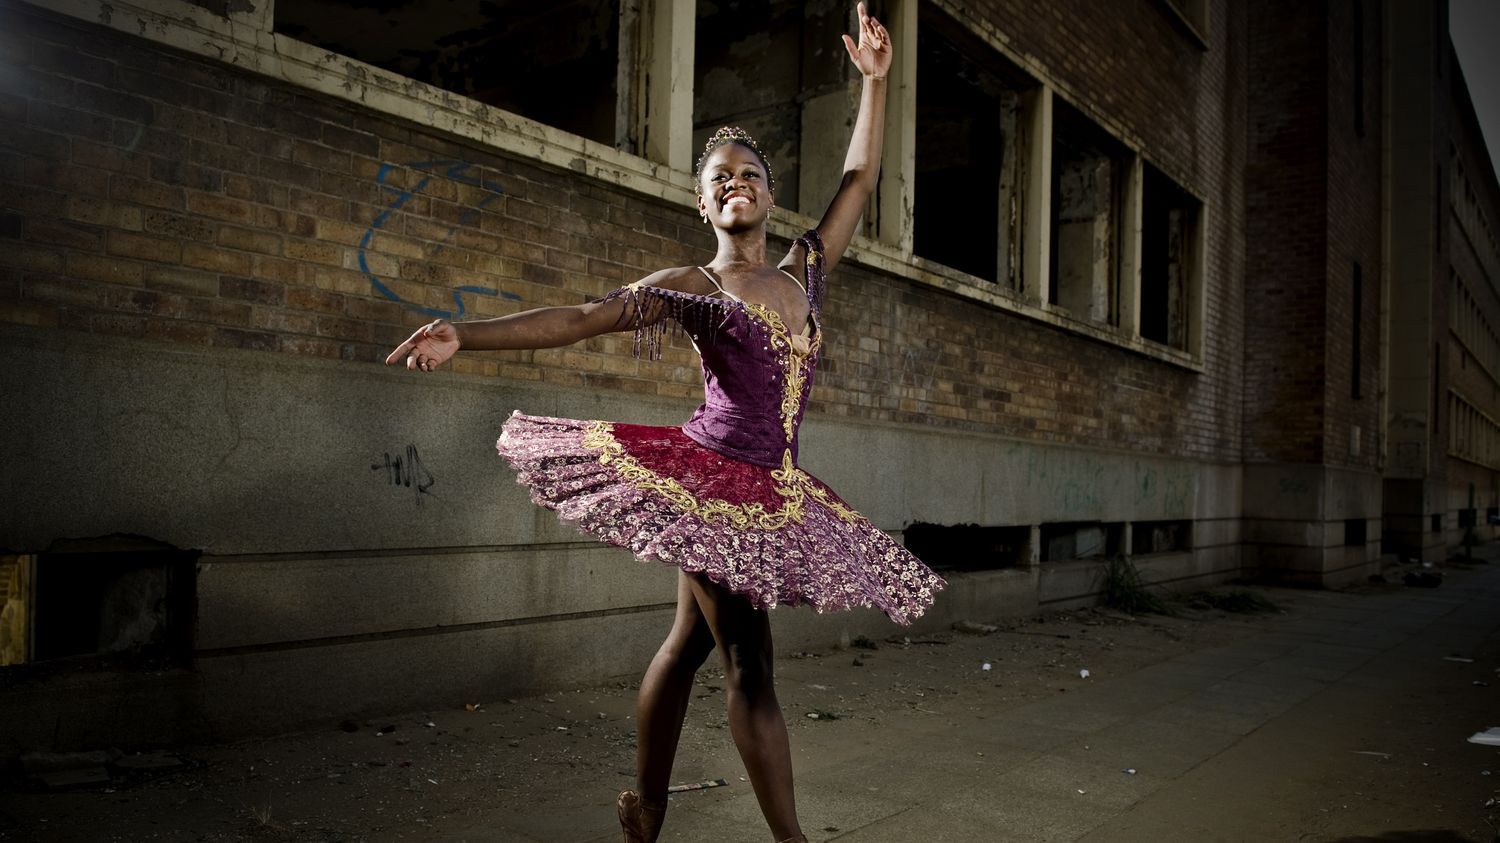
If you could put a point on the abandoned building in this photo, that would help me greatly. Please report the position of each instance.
(1212, 289)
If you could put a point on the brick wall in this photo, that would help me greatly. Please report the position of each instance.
(1287, 234)
(1354, 235)
(175, 199)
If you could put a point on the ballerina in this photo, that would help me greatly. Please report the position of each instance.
(721, 497)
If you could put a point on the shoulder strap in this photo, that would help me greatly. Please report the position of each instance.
(794, 280)
(714, 281)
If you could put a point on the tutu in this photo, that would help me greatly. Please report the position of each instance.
(722, 495)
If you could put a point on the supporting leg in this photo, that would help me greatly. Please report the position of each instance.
(743, 634)
(665, 691)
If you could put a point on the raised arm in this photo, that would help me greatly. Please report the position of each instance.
(872, 56)
(542, 327)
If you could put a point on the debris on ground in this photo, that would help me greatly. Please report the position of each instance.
(1489, 737)
(975, 628)
(704, 785)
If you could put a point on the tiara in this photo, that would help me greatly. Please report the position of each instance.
(734, 134)
(731, 133)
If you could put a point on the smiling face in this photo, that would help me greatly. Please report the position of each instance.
(733, 189)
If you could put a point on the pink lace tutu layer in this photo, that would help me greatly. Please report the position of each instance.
(775, 535)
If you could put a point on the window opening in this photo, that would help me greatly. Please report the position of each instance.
(555, 63)
(110, 598)
(1086, 540)
(1088, 176)
(1169, 233)
(1160, 537)
(1356, 531)
(968, 547)
(968, 205)
(749, 71)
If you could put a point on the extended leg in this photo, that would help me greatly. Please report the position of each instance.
(665, 691)
(744, 637)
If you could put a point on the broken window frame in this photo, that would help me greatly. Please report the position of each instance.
(1000, 83)
(1095, 295)
(1187, 334)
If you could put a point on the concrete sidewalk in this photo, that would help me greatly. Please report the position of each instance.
(1331, 725)
(1340, 719)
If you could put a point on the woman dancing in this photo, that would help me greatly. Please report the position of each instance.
(721, 497)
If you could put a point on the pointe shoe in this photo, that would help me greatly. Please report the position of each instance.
(640, 819)
(801, 838)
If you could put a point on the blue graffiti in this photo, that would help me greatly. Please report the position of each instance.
(458, 171)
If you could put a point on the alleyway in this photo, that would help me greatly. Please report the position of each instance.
(1342, 717)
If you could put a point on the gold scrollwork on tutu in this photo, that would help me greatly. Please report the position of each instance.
(792, 483)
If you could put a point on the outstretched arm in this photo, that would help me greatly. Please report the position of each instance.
(542, 327)
(872, 56)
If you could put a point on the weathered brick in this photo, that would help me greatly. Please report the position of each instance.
(104, 156)
(220, 207)
(280, 269)
(53, 117)
(350, 140)
(283, 321)
(216, 258)
(314, 251)
(247, 289)
(179, 226)
(124, 188)
(319, 301)
(320, 157)
(115, 103)
(249, 240)
(97, 268)
(181, 280)
(64, 234)
(238, 338)
(318, 204)
(33, 141)
(144, 247)
(186, 174)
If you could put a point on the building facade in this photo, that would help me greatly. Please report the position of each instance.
(1136, 281)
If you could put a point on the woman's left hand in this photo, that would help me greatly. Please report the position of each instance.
(873, 53)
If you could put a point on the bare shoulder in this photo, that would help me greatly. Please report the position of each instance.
(683, 279)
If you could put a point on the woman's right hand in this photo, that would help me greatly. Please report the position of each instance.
(429, 347)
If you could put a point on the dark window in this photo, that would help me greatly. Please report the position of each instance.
(1160, 537)
(1355, 531)
(1169, 223)
(555, 63)
(135, 603)
(1437, 522)
(1357, 352)
(968, 202)
(968, 547)
(749, 71)
(1086, 540)
(1088, 175)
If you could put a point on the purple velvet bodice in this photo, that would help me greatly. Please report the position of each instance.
(757, 372)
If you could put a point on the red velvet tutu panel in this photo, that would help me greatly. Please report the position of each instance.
(775, 535)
